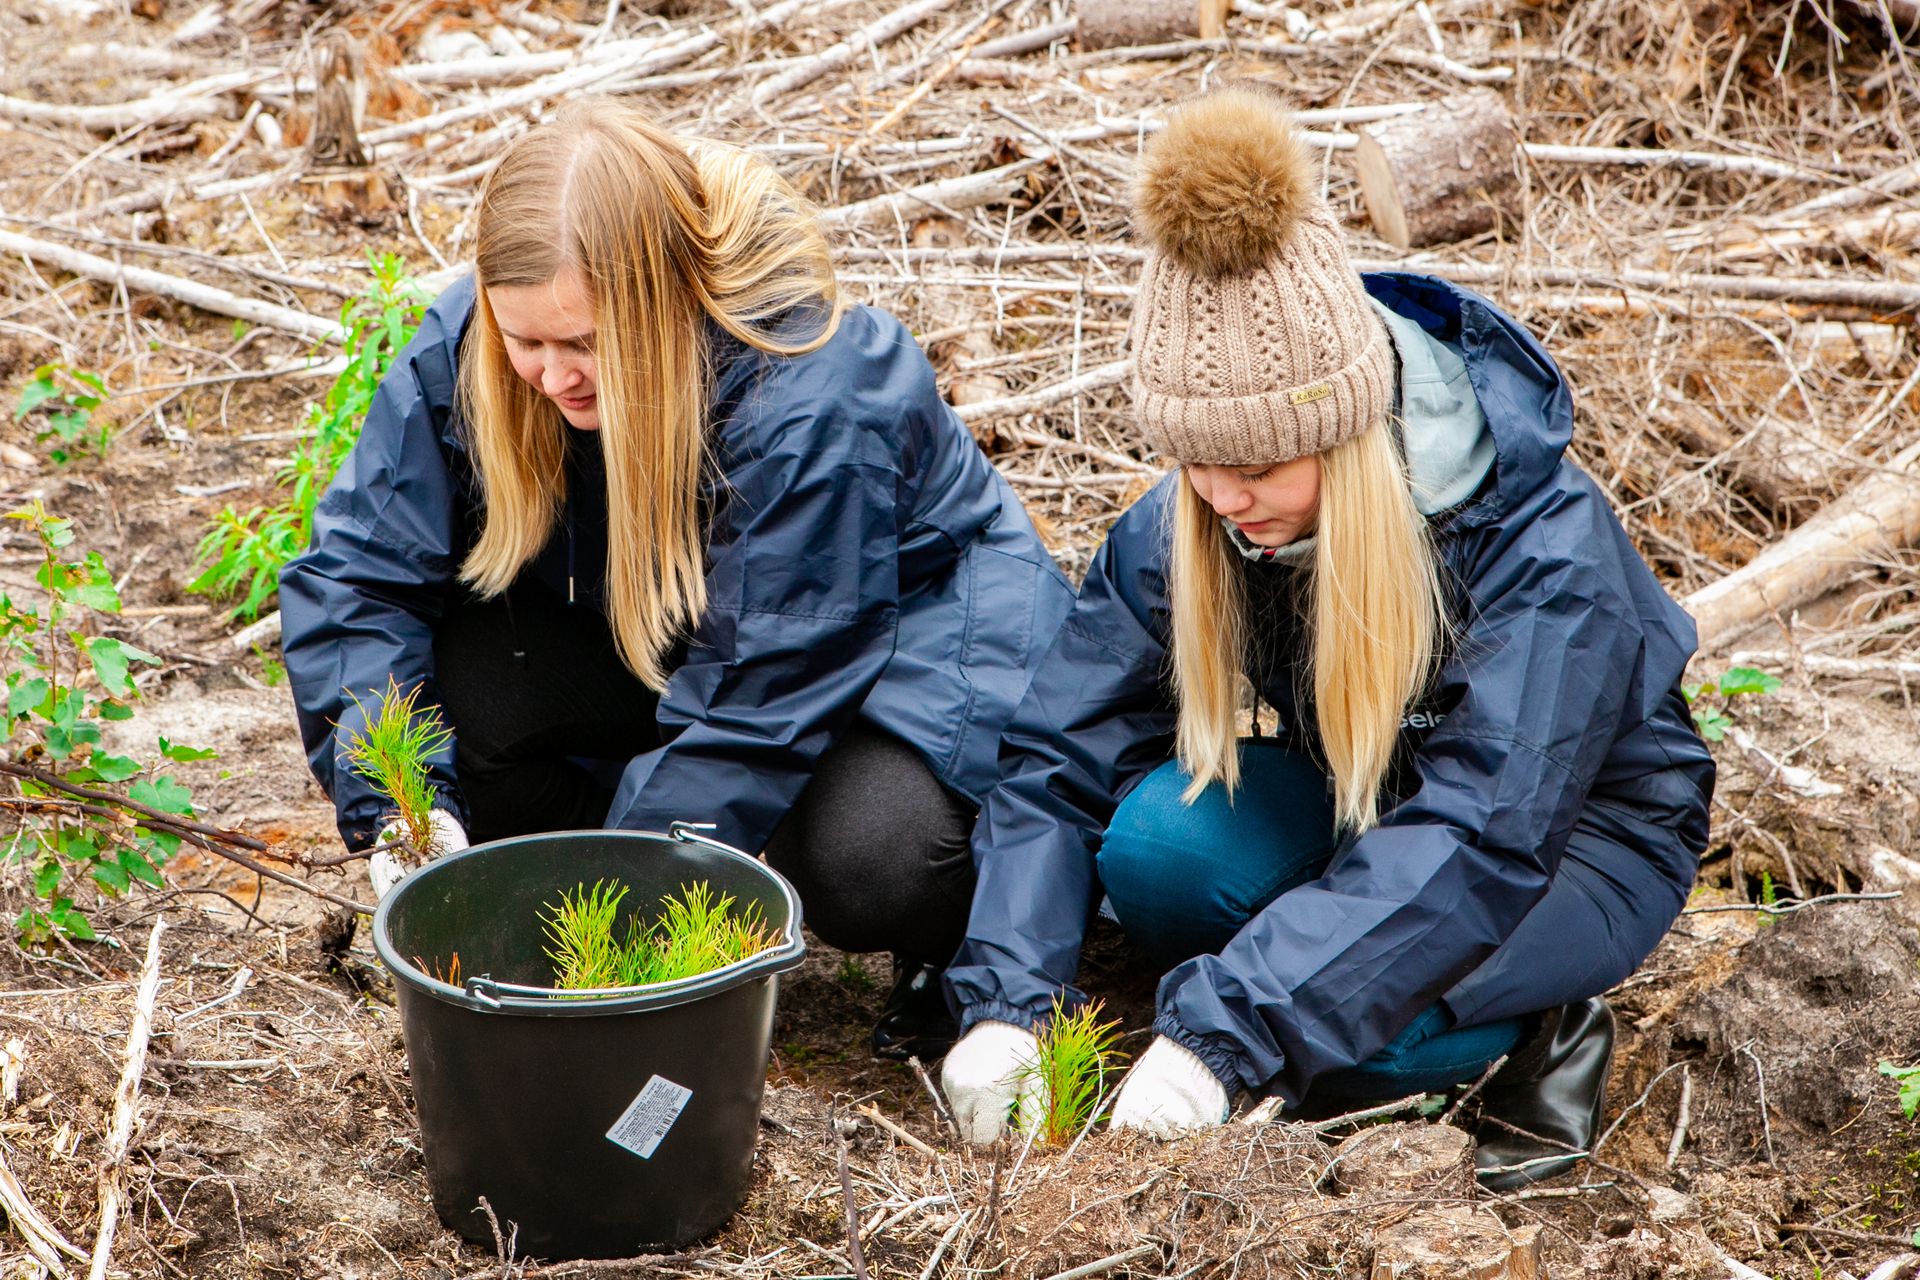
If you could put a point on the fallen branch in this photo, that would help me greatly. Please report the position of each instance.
(1112, 1262)
(143, 280)
(43, 1239)
(946, 195)
(1106, 375)
(126, 1101)
(890, 26)
(200, 100)
(1882, 510)
(1884, 668)
(1787, 906)
(1872, 295)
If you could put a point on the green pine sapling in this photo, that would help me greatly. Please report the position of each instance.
(697, 932)
(391, 752)
(1078, 1054)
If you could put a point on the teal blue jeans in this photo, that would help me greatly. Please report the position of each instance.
(1182, 879)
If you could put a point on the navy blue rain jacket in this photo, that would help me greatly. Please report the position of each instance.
(1558, 702)
(864, 560)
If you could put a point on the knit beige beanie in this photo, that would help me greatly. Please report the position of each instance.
(1253, 341)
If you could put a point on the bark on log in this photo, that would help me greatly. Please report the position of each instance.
(1442, 174)
(1107, 24)
(1881, 512)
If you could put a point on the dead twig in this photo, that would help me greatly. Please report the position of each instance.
(126, 1101)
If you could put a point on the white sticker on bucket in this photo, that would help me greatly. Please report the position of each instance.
(648, 1117)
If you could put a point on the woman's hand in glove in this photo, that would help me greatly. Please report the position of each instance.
(987, 1075)
(1169, 1092)
(390, 866)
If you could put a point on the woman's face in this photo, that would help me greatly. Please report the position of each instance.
(548, 329)
(1271, 506)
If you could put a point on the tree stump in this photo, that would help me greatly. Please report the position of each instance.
(1406, 1159)
(1458, 1242)
(1442, 174)
(348, 186)
(339, 98)
(1107, 24)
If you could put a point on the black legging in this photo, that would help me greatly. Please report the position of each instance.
(544, 714)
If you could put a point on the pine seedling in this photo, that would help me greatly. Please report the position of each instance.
(1078, 1053)
(698, 931)
(584, 952)
(391, 753)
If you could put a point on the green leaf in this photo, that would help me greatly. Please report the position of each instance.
(1740, 680)
(72, 921)
(162, 793)
(111, 710)
(174, 751)
(94, 588)
(110, 661)
(28, 695)
(1909, 1078)
(113, 768)
(164, 844)
(111, 877)
(46, 878)
(40, 389)
(136, 865)
(1713, 724)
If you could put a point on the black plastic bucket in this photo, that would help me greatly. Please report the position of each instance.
(598, 1128)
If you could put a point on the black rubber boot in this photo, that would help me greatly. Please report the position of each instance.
(1554, 1086)
(915, 1022)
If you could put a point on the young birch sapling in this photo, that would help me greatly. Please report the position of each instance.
(391, 753)
(1077, 1055)
(697, 932)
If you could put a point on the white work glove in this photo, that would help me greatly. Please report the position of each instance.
(985, 1078)
(390, 866)
(1169, 1092)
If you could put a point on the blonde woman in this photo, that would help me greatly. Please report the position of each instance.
(669, 533)
(1483, 801)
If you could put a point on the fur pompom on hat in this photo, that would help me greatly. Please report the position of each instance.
(1254, 342)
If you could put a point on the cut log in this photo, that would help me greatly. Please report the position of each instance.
(1108, 24)
(1879, 513)
(1440, 175)
(1459, 1242)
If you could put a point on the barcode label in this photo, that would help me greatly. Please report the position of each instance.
(648, 1117)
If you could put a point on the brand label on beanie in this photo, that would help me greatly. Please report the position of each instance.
(1307, 395)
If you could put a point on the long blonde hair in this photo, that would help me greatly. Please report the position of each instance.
(1377, 620)
(668, 234)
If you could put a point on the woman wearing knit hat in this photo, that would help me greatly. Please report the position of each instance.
(1484, 800)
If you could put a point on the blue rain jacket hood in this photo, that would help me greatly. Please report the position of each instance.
(1557, 702)
(864, 560)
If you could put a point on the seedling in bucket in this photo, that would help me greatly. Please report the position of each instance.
(1077, 1056)
(696, 932)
